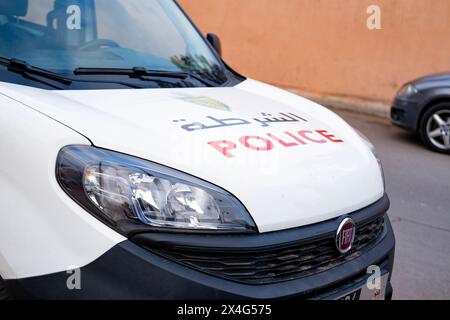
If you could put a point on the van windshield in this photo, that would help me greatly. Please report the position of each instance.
(64, 35)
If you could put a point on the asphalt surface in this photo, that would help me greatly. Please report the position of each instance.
(418, 184)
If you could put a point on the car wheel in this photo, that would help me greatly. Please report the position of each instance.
(3, 293)
(435, 128)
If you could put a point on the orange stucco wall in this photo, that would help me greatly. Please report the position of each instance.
(325, 47)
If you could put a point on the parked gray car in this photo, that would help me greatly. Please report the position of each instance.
(423, 106)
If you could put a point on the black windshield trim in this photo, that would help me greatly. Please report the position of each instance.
(143, 73)
(65, 82)
(136, 71)
(20, 66)
(26, 70)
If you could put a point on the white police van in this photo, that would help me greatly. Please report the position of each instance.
(136, 164)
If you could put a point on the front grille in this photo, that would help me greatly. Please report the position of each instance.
(283, 263)
(342, 285)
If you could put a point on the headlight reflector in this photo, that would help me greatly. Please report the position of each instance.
(133, 194)
(407, 90)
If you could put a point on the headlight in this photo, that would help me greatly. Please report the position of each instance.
(134, 195)
(374, 151)
(407, 90)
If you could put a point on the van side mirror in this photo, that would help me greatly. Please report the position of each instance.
(214, 40)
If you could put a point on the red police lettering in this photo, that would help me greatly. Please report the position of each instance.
(329, 136)
(268, 145)
(305, 134)
(295, 138)
(223, 146)
(258, 143)
(282, 142)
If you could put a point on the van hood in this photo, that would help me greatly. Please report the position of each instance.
(290, 161)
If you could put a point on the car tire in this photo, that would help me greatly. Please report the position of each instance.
(434, 128)
(3, 292)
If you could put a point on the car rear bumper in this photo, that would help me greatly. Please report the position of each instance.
(129, 271)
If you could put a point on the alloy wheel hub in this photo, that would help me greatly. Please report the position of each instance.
(438, 129)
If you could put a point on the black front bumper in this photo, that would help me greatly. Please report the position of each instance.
(129, 271)
(405, 114)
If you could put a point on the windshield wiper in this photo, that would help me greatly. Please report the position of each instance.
(22, 67)
(141, 73)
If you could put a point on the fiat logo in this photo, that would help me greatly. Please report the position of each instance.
(345, 235)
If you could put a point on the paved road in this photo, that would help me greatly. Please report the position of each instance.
(418, 183)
